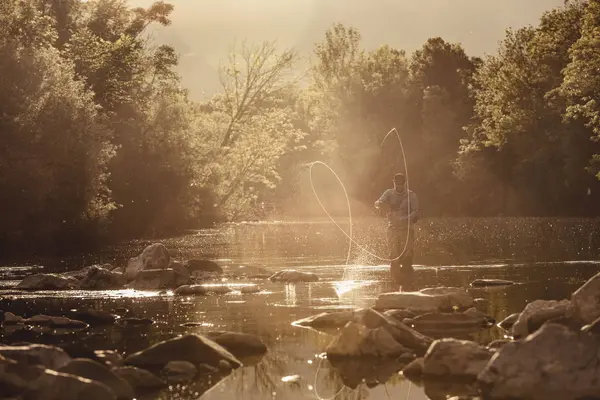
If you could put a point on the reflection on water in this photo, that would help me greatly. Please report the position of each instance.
(451, 253)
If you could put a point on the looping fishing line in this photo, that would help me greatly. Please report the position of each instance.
(349, 234)
(351, 239)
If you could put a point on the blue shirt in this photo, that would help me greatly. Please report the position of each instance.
(399, 203)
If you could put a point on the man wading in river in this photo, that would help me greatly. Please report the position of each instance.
(402, 207)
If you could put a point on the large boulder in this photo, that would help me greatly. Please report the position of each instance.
(37, 354)
(452, 358)
(151, 279)
(102, 279)
(426, 300)
(585, 302)
(97, 372)
(292, 276)
(238, 344)
(155, 256)
(47, 282)
(356, 340)
(179, 371)
(553, 363)
(202, 266)
(536, 314)
(196, 349)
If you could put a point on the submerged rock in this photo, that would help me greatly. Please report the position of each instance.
(139, 379)
(202, 265)
(536, 314)
(110, 358)
(47, 282)
(93, 317)
(356, 340)
(431, 299)
(186, 290)
(239, 344)
(491, 282)
(12, 319)
(196, 349)
(292, 276)
(151, 279)
(553, 363)
(155, 256)
(179, 371)
(336, 319)
(247, 272)
(452, 358)
(102, 279)
(400, 315)
(249, 289)
(585, 302)
(99, 373)
(508, 322)
(55, 322)
(414, 370)
(37, 354)
(471, 318)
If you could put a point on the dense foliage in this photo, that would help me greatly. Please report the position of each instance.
(100, 140)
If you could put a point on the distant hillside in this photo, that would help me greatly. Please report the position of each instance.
(204, 30)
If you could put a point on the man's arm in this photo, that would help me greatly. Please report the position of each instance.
(414, 208)
(384, 199)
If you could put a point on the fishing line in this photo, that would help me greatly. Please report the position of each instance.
(349, 235)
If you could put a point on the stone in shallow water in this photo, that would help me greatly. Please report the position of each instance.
(93, 317)
(203, 266)
(155, 256)
(47, 282)
(238, 344)
(55, 322)
(37, 354)
(102, 279)
(186, 290)
(449, 358)
(432, 299)
(356, 340)
(553, 363)
(250, 289)
(179, 371)
(139, 379)
(536, 314)
(336, 319)
(196, 349)
(508, 322)
(152, 279)
(491, 282)
(99, 373)
(109, 357)
(11, 319)
(292, 276)
(471, 318)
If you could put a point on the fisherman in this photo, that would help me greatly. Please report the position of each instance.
(402, 208)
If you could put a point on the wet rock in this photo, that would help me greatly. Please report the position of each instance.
(12, 319)
(247, 272)
(179, 371)
(15, 377)
(152, 279)
(585, 302)
(58, 386)
(414, 370)
(202, 265)
(180, 269)
(432, 299)
(536, 314)
(496, 344)
(78, 274)
(336, 319)
(187, 290)
(292, 276)
(99, 373)
(238, 344)
(508, 322)
(102, 279)
(491, 282)
(110, 358)
(139, 379)
(468, 319)
(225, 365)
(594, 327)
(37, 354)
(205, 276)
(155, 256)
(55, 322)
(400, 315)
(455, 358)
(249, 289)
(356, 340)
(93, 317)
(47, 282)
(196, 349)
(553, 363)
(204, 369)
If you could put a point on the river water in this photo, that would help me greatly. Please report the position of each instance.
(548, 258)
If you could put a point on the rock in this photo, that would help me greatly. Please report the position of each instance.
(414, 370)
(186, 290)
(594, 327)
(468, 319)
(585, 302)
(47, 282)
(93, 317)
(180, 269)
(58, 386)
(78, 274)
(536, 313)
(356, 340)
(336, 319)
(55, 322)
(136, 321)
(179, 371)
(249, 289)
(196, 349)
(291, 276)
(204, 369)
(496, 344)
(99, 373)
(247, 271)
(151, 279)
(455, 358)
(431, 300)
(491, 282)
(139, 379)
(508, 322)
(205, 276)
(37, 354)
(553, 363)
(238, 344)
(110, 358)
(202, 265)
(225, 365)
(400, 315)
(11, 319)
(155, 256)
(102, 279)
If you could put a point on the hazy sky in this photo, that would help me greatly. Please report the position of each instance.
(203, 30)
